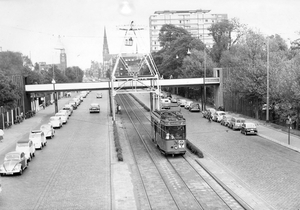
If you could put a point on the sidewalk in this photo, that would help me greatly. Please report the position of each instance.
(17, 131)
(278, 136)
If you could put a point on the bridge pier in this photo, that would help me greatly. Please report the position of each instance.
(218, 89)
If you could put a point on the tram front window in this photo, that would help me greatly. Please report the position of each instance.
(174, 132)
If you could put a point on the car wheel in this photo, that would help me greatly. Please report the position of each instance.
(21, 171)
(245, 133)
(33, 155)
(1, 174)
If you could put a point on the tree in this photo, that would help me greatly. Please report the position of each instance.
(9, 92)
(169, 33)
(74, 74)
(225, 34)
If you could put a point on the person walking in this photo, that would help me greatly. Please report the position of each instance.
(1, 135)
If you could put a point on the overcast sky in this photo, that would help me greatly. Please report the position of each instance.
(32, 27)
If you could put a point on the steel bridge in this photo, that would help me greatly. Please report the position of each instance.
(132, 84)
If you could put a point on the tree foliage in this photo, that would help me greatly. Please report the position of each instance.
(225, 34)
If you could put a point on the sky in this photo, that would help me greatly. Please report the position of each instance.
(39, 28)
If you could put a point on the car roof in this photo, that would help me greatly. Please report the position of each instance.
(46, 125)
(94, 104)
(249, 123)
(55, 117)
(36, 131)
(14, 152)
(24, 141)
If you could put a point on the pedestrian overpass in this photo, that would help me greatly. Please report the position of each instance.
(129, 85)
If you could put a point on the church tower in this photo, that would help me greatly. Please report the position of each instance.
(105, 55)
(105, 45)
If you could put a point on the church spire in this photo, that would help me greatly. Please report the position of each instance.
(105, 44)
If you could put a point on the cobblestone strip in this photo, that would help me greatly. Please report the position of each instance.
(51, 180)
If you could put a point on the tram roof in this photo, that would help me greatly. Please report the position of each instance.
(169, 115)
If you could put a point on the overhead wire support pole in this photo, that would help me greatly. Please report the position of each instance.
(268, 75)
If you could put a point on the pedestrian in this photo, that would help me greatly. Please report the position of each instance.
(118, 108)
(1, 135)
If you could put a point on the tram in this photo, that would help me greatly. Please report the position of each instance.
(169, 131)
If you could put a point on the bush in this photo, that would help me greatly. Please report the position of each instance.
(194, 149)
(141, 103)
(117, 143)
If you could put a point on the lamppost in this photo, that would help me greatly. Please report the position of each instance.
(268, 75)
(204, 87)
(55, 96)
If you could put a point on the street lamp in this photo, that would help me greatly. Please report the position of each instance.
(204, 87)
(55, 96)
(268, 75)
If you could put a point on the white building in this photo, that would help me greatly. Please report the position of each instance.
(195, 21)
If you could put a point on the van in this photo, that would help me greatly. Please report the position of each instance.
(27, 147)
(236, 123)
(38, 138)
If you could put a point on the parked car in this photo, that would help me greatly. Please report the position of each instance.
(14, 163)
(27, 147)
(217, 116)
(48, 130)
(182, 102)
(236, 123)
(73, 104)
(55, 121)
(99, 95)
(225, 120)
(94, 107)
(194, 107)
(77, 100)
(174, 100)
(249, 128)
(68, 107)
(187, 104)
(165, 103)
(38, 138)
(66, 112)
(63, 116)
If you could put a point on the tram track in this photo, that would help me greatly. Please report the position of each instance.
(182, 173)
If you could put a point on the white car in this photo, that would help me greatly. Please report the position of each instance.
(63, 116)
(66, 112)
(48, 130)
(218, 115)
(69, 107)
(27, 147)
(55, 121)
(187, 104)
(77, 100)
(182, 102)
(38, 138)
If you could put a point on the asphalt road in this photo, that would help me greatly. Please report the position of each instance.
(70, 172)
(267, 169)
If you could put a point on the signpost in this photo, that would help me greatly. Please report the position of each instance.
(289, 122)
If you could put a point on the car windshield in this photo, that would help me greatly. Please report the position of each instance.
(12, 157)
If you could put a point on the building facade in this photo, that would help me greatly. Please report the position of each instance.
(196, 22)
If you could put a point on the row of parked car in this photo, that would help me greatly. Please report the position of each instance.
(235, 123)
(187, 104)
(17, 161)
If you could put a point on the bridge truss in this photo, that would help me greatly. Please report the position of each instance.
(135, 69)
